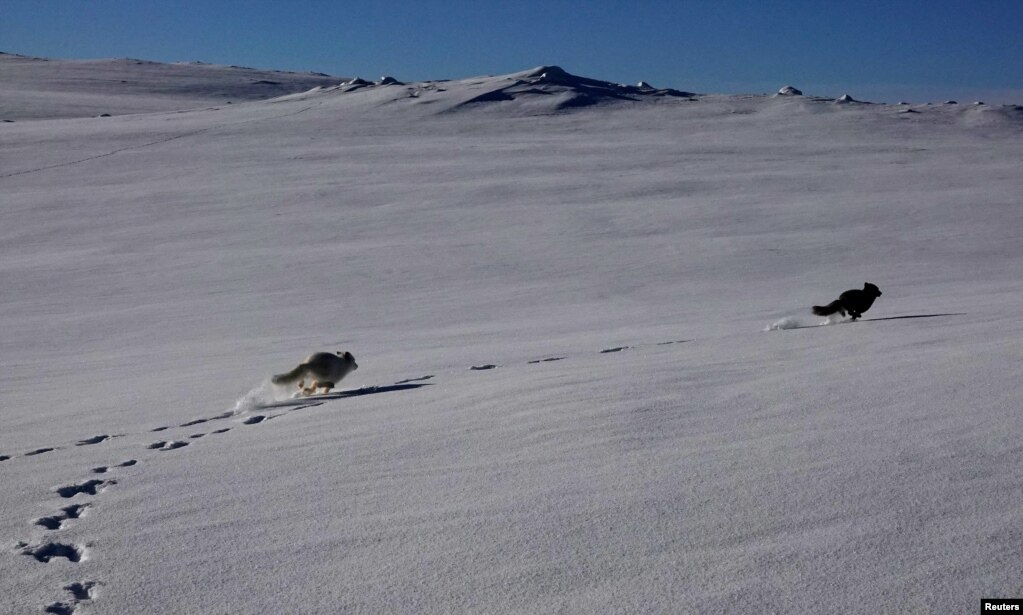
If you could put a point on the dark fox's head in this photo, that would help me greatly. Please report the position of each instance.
(870, 289)
(347, 356)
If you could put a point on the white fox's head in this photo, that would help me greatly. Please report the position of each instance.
(347, 356)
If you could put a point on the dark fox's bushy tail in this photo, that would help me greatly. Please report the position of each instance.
(289, 377)
(829, 309)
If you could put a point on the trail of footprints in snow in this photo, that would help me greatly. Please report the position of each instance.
(169, 445)
(193, 422)
(611, 350)
(46, 551)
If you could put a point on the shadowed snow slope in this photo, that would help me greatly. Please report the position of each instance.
(39, 88)
(541, 90)
(155, 267)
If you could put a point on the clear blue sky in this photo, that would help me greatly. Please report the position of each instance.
(916, 50)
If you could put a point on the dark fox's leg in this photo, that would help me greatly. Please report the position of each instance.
(326, 386)
(311, 388)
(854, 315)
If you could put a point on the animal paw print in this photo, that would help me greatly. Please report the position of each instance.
(56, 522)
(39, 451)
(164, 445)
(80, 592)
(90, 487)
(50, 550)
(105, 469)
(93, 440)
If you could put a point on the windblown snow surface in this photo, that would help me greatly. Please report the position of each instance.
(632, 440)
(41, 88)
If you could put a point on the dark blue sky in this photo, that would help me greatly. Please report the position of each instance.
(914, 50)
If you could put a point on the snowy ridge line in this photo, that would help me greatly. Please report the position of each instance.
(57, 88)
(191, 133)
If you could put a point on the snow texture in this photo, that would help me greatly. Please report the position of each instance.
(643, 446)
(785, 323)
(38, 88)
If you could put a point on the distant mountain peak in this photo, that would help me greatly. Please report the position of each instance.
(565, 90)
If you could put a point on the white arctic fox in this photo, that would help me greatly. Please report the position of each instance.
(323, 369)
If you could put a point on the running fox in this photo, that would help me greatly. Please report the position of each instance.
(853, 301)
(323, 369)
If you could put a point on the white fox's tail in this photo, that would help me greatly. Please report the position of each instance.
(289, 377)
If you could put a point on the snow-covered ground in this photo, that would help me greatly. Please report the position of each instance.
(41, 88)
(157, 268)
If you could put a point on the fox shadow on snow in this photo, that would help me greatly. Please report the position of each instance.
(889, 318)
(917, 316)
(371, 390)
